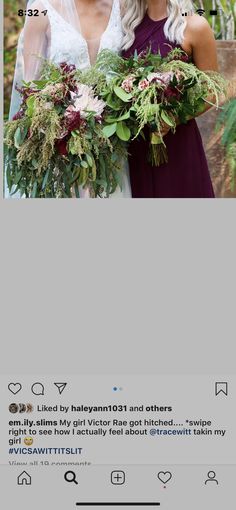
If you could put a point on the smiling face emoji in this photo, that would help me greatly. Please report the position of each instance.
(28, 441)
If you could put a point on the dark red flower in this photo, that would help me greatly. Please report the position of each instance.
(171, 92)
(183, 57)
(73, 120)
(61, 146)
(18, 115)
(67, 68)
(25, 92)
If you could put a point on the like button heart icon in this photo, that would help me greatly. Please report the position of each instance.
(164, 476)
(14, 388)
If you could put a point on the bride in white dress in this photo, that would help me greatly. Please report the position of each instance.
(72, 31)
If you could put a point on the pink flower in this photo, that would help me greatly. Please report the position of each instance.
(128, 84)
(143, 84)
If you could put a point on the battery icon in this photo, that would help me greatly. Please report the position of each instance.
(213, 12)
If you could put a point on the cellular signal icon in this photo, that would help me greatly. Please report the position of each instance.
(200, 12)
(189, 13)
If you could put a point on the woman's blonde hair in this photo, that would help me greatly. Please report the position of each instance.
(133, 12)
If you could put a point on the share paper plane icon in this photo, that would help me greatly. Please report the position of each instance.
(60, 386)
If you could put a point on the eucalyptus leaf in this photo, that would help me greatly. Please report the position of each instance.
(40, 83)
(109, 130)
(124, 96)
(17, 177)
(45, 179)
(34, 190)
(9, 177)
(76, 188)
(123, 132)
(93, 172)
(167, 119)
(89, 160)
(112, 104)
(30, 105)
(125, 116)
(17, 138)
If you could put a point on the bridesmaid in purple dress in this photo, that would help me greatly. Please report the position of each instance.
(186, 173)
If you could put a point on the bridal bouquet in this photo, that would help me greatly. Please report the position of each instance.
(148, 90)
(56, 142)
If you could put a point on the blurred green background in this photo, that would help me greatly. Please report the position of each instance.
(12, 27)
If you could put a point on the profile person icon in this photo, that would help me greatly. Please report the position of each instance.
(211, 478)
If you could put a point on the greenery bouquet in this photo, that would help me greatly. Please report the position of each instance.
(56, 143)
(148, 90)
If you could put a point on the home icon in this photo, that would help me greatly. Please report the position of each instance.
(24, 479)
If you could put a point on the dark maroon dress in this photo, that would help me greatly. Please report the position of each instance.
(186, 173)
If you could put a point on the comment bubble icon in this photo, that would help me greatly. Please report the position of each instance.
(37, 388)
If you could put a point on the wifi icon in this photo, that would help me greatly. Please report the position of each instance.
(200, 12)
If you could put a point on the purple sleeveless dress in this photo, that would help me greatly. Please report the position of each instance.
(186, 173)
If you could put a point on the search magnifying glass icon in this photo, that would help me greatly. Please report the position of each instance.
(70, 476)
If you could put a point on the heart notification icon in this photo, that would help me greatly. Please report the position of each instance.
(164, 476)
(14, 388)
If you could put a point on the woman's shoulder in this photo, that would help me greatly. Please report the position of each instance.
(197, 25)
(198, 32)
(200, 40)
(36, 25)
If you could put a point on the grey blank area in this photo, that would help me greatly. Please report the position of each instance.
(126, 286)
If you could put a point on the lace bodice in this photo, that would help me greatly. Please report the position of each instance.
(68, 45)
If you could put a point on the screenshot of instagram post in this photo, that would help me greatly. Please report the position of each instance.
(117, 365)
(119, 99)
(148, 441)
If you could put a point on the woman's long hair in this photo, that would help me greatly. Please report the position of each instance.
(134, 11)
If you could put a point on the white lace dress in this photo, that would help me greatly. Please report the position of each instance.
(68, 45)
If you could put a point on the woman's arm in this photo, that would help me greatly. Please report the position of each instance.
(35, 43)
(200, 42)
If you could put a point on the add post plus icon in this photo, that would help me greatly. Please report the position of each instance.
(117, 477)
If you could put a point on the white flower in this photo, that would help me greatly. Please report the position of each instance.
(84, 102)
(160, 77)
